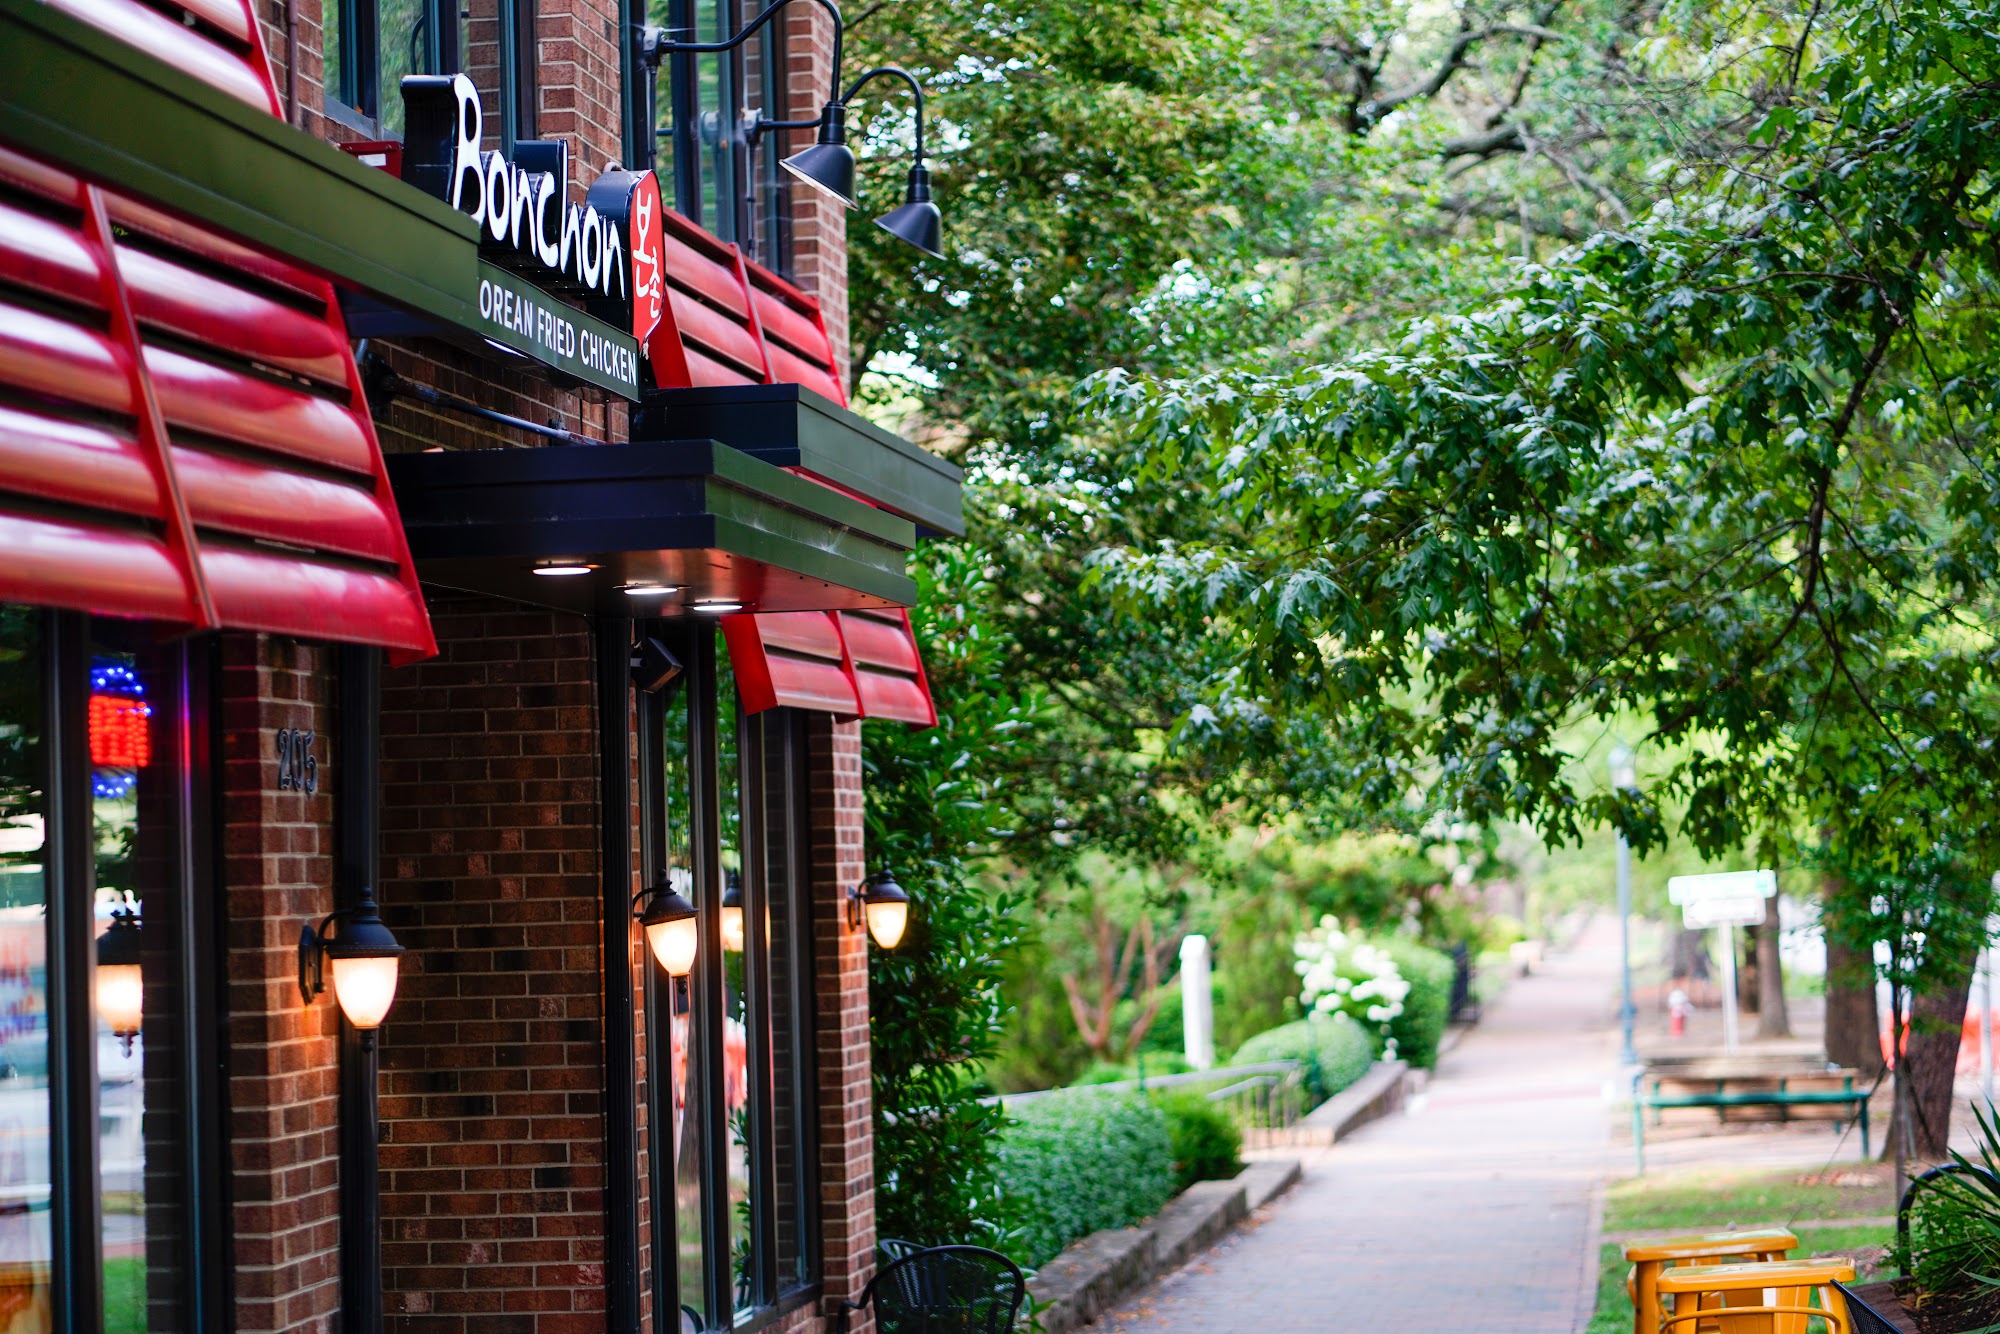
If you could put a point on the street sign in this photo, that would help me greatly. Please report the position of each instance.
(1743, 910)
(1685, 889)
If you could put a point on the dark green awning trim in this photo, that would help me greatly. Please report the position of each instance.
(706, 518)
(792, 427)
(85, 101)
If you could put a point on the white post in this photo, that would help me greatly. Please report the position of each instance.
(1986, 1021)
(1197, 1003)
(1729, 987)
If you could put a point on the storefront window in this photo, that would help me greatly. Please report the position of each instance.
(738, 1088)
(26, 1240)
(709, 170)
(136, 837)
(99, 863)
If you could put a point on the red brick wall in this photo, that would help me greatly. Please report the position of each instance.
(491, 1091)
(819, 224)
(277, 875)
(846, 1107)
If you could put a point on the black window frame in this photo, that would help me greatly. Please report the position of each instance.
(773, 792)
(76, 1215)
(672, 94)
(354, 95)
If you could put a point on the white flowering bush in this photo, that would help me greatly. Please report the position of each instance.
(1339, 974)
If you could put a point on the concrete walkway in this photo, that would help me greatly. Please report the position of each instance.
(1473, 1214)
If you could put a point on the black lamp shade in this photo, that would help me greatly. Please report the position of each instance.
(362, 935)
(918, 221)
(828, 166)
(119, 946)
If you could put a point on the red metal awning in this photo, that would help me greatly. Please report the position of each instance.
(857, 664)
(731, 321)
(186, 437)
(183, 435)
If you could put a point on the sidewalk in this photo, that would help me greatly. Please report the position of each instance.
(1473, 1213)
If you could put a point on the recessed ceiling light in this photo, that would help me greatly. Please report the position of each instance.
(650, 590)
(716, 606)
(563, 569)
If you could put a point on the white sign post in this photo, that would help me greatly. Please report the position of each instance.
(1727, 900)
(1197, 1003)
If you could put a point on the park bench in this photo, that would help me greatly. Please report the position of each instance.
(1821, 1088)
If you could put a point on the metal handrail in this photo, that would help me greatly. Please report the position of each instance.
(1156, 1081)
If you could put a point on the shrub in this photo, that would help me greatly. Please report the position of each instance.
(1336, 1051)
(1339, 974)
(1076, 1161)
(1204, 1139)
(1426, 1006)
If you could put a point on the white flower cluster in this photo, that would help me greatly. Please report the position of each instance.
(1340, 975)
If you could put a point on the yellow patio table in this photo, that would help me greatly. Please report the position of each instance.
(1649, 1256)
(1758, 1297)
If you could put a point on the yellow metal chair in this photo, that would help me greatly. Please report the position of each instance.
(1650, 1256)
(1760, 1297)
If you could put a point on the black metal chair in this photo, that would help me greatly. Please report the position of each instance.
(943, 1290)
(1863, 1318)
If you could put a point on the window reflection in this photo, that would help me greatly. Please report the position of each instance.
(25, 1235)
(135, 800)
(735, 1013)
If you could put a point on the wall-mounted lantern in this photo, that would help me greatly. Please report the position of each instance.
(120, 991)
(884, 905)
(364, 960)
(732, 912)
(669, 920)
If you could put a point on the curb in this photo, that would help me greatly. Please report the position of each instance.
(1093, 1275)
(1374, 1095)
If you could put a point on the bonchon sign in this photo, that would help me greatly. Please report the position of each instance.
(603, 254)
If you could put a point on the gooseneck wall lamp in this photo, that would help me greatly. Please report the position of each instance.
(828, 164)
(669, 921)
(364, 959)
(884, 905)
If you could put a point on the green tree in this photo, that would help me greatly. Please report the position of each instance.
(1729, 469)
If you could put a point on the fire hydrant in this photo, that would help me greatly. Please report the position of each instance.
(1677, 1013)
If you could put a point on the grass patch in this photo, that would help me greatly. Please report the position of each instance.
(125, 1295)
(1712, 1200)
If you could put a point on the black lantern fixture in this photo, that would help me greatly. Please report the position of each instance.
(828, 164)
(884, 905)
(119, 989)
(732, 912)
(363, 957)
(669, 920)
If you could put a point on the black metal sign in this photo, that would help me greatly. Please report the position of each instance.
(298, 767)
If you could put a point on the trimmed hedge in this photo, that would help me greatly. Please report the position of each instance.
(1426, 1010)
(1076, 1161)
(1204, 1138)
(1336, 1051)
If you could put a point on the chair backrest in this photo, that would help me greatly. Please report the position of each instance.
(894, 1248)
(947, 1290)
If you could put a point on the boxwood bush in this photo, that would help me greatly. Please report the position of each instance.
(1336, 1051)
(1204, 1139)
(1420, 1027)
(1078, 1160)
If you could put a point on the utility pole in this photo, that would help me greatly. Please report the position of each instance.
(1625, 778)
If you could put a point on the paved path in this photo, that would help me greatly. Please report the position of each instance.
(1471, 1216)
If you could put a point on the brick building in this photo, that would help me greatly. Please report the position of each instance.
(430, 509)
